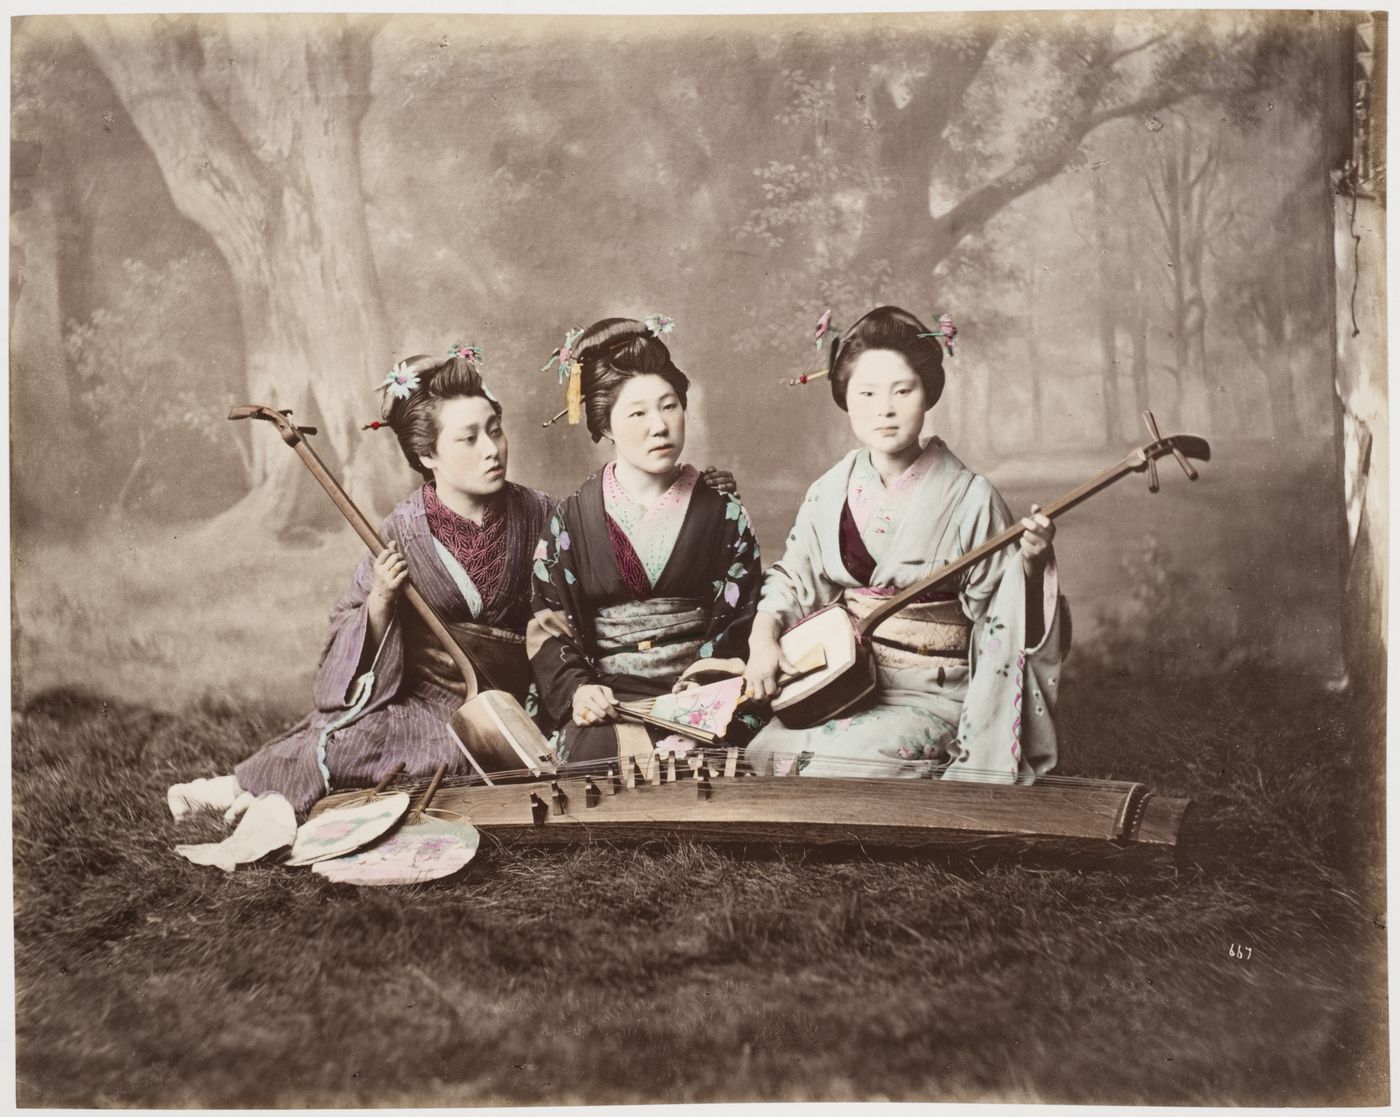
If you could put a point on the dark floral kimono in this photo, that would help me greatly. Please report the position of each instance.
(377, 706)
(631, 610)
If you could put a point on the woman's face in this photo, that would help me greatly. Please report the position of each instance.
(885, 400)
(647, 424)
(470, 457)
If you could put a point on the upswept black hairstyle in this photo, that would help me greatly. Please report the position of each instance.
(612, 351)
(888, 327)
(415, 419)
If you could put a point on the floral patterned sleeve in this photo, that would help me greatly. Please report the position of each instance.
(737, 587)
(558, 656)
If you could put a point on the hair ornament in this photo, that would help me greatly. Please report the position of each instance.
(659, 324)
(945, 333)
(826, 331)
(402, 381)
(570, 375)
(470, 353)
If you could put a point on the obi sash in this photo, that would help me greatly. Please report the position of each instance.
(499, 653)
(927, 635)
(652, 639)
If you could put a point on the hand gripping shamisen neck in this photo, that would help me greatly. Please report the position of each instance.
(440, 602)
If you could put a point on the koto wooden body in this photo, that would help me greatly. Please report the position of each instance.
(1084, 817)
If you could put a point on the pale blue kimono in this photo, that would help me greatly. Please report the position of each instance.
(980, 714)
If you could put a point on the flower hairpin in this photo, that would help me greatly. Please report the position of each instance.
(402, 381)
(470, 353)
(826, 331)
(659, 324)
(571, 375)
(945, 333)
(564, 354)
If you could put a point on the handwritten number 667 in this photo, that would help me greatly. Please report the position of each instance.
(1243, 952)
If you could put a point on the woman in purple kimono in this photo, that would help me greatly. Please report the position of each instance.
(643, 571)
(384, 690)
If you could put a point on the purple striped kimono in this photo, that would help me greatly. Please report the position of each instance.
(378, 706)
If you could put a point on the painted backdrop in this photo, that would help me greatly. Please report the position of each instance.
(1122, 212)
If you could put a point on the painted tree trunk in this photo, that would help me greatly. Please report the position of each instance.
(1108, 314)
(1180, 210)
(275, 181)
(1031, 334)
(1142, 390)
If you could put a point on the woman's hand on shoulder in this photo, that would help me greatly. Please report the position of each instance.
(721, 480)
(390, 573)
(594, 705)
(1035, 543)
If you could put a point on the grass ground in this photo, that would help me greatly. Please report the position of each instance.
(676, 972)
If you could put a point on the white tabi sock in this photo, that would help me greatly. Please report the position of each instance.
(218, 793)
(240, 805)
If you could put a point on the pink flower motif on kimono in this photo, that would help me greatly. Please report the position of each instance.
(731, 594)
(563, 540)
(541, 549)
(992, 646)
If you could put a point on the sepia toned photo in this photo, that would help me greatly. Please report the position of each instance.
(591, 560)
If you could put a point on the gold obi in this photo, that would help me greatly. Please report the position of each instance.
(931, 634)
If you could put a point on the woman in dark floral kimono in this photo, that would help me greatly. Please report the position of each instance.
(643, 571)
(384, 689)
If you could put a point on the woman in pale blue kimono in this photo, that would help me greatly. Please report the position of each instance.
(968, 674)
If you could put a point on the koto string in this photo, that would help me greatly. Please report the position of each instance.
(595, 768)
(714, 761)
